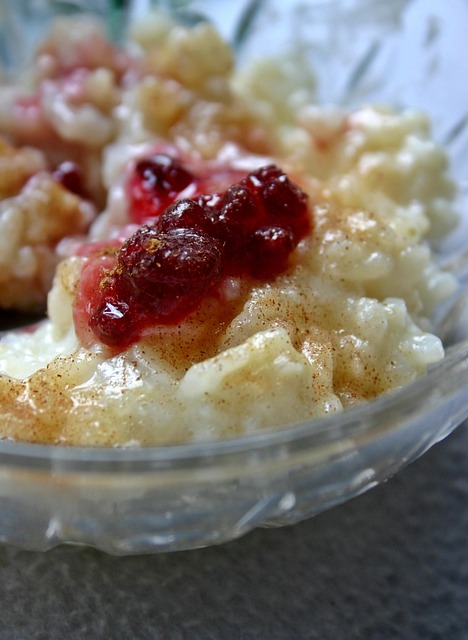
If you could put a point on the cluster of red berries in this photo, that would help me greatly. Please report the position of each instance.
(166, 268)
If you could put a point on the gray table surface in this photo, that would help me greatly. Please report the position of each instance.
(390, 564)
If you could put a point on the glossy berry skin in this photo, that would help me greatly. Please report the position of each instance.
(69, 175)
(284, 202)
(268, 251)
(164, 270)
(113, 321)
(168, 271)
(205, 215)
(239, 205)
(103, 309)
(155, 183)
(184, 214)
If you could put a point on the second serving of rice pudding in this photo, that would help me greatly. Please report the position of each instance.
(224, 261)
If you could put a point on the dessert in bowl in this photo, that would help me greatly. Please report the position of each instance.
(250, 283)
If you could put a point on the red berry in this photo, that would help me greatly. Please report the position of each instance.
(184, 214)
(284, 202)
(69, 175)
(163, 173)
(207, 216)
(113, 322)
(155, 184)
(268, 251)
(94, 286)
(235, 215)
(240, 205)
(170, 271)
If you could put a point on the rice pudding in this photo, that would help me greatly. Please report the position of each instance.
(314, 296)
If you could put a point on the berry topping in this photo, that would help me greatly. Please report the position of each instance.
(283, 199)
(184, 214)
(68, 174)
(155, 183)
(268, 251)
(164, 270)
(169, 270)
(113, 323)
(235, 216)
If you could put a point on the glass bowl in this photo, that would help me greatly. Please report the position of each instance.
(129, 501)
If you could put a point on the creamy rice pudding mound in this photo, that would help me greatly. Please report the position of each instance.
(259, 260)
